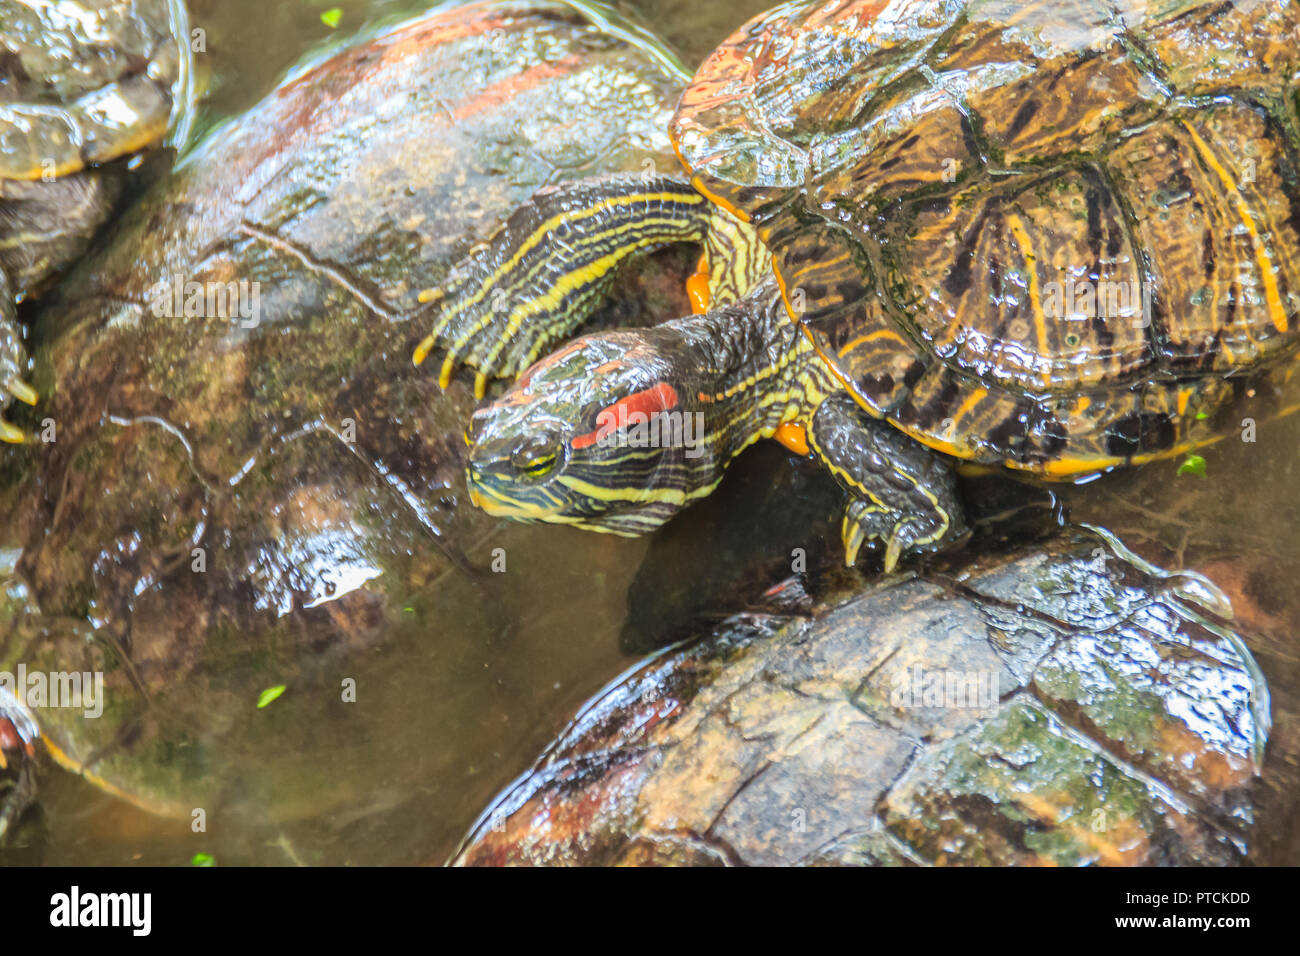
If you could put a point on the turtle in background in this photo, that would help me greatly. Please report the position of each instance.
(267, 428)
(82, 83)
(1065, 703)
(1049, 236)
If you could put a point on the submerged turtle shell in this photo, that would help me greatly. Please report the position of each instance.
(84, 82)
(1048, 235)
(228, 372)
(1116, 724)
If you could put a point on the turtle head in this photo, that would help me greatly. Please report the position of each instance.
(602, 434)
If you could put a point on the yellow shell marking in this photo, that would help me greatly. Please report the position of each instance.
(1271, 292)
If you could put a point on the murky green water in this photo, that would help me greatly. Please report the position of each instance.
(464, 714)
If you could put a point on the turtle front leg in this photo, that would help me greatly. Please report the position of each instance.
(549, 268)
(13, 361)
(902, 494)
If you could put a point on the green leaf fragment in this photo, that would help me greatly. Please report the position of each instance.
(332, 17)
(1192, 465)
(203, 859)
(268, 695)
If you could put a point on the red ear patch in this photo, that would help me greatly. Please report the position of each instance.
(661, 398)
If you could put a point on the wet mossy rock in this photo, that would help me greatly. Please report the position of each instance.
(233, 502)
(1065, 706)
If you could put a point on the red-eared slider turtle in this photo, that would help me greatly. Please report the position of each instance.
(82, 82)
(1058, 237)
(1063, 705)
(244, 493)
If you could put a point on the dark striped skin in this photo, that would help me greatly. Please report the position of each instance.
(736, 260)
(550, 266)
(554, 449)
(543, 452)
(965, 163)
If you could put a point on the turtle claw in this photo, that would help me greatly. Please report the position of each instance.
(13, 359)
(23, 392)
(12, 434)
(426, 298)
(865, 521)
(494, 349)
(893, 550)
(490, 341)
(471, 336)
(448, 367)
(901, 493)
(854, 537)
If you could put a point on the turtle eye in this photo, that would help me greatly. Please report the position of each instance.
(536, 456)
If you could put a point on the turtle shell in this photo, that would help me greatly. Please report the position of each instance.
(85, 81)
(244, 298)
(858, 715)
(1052, 235)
